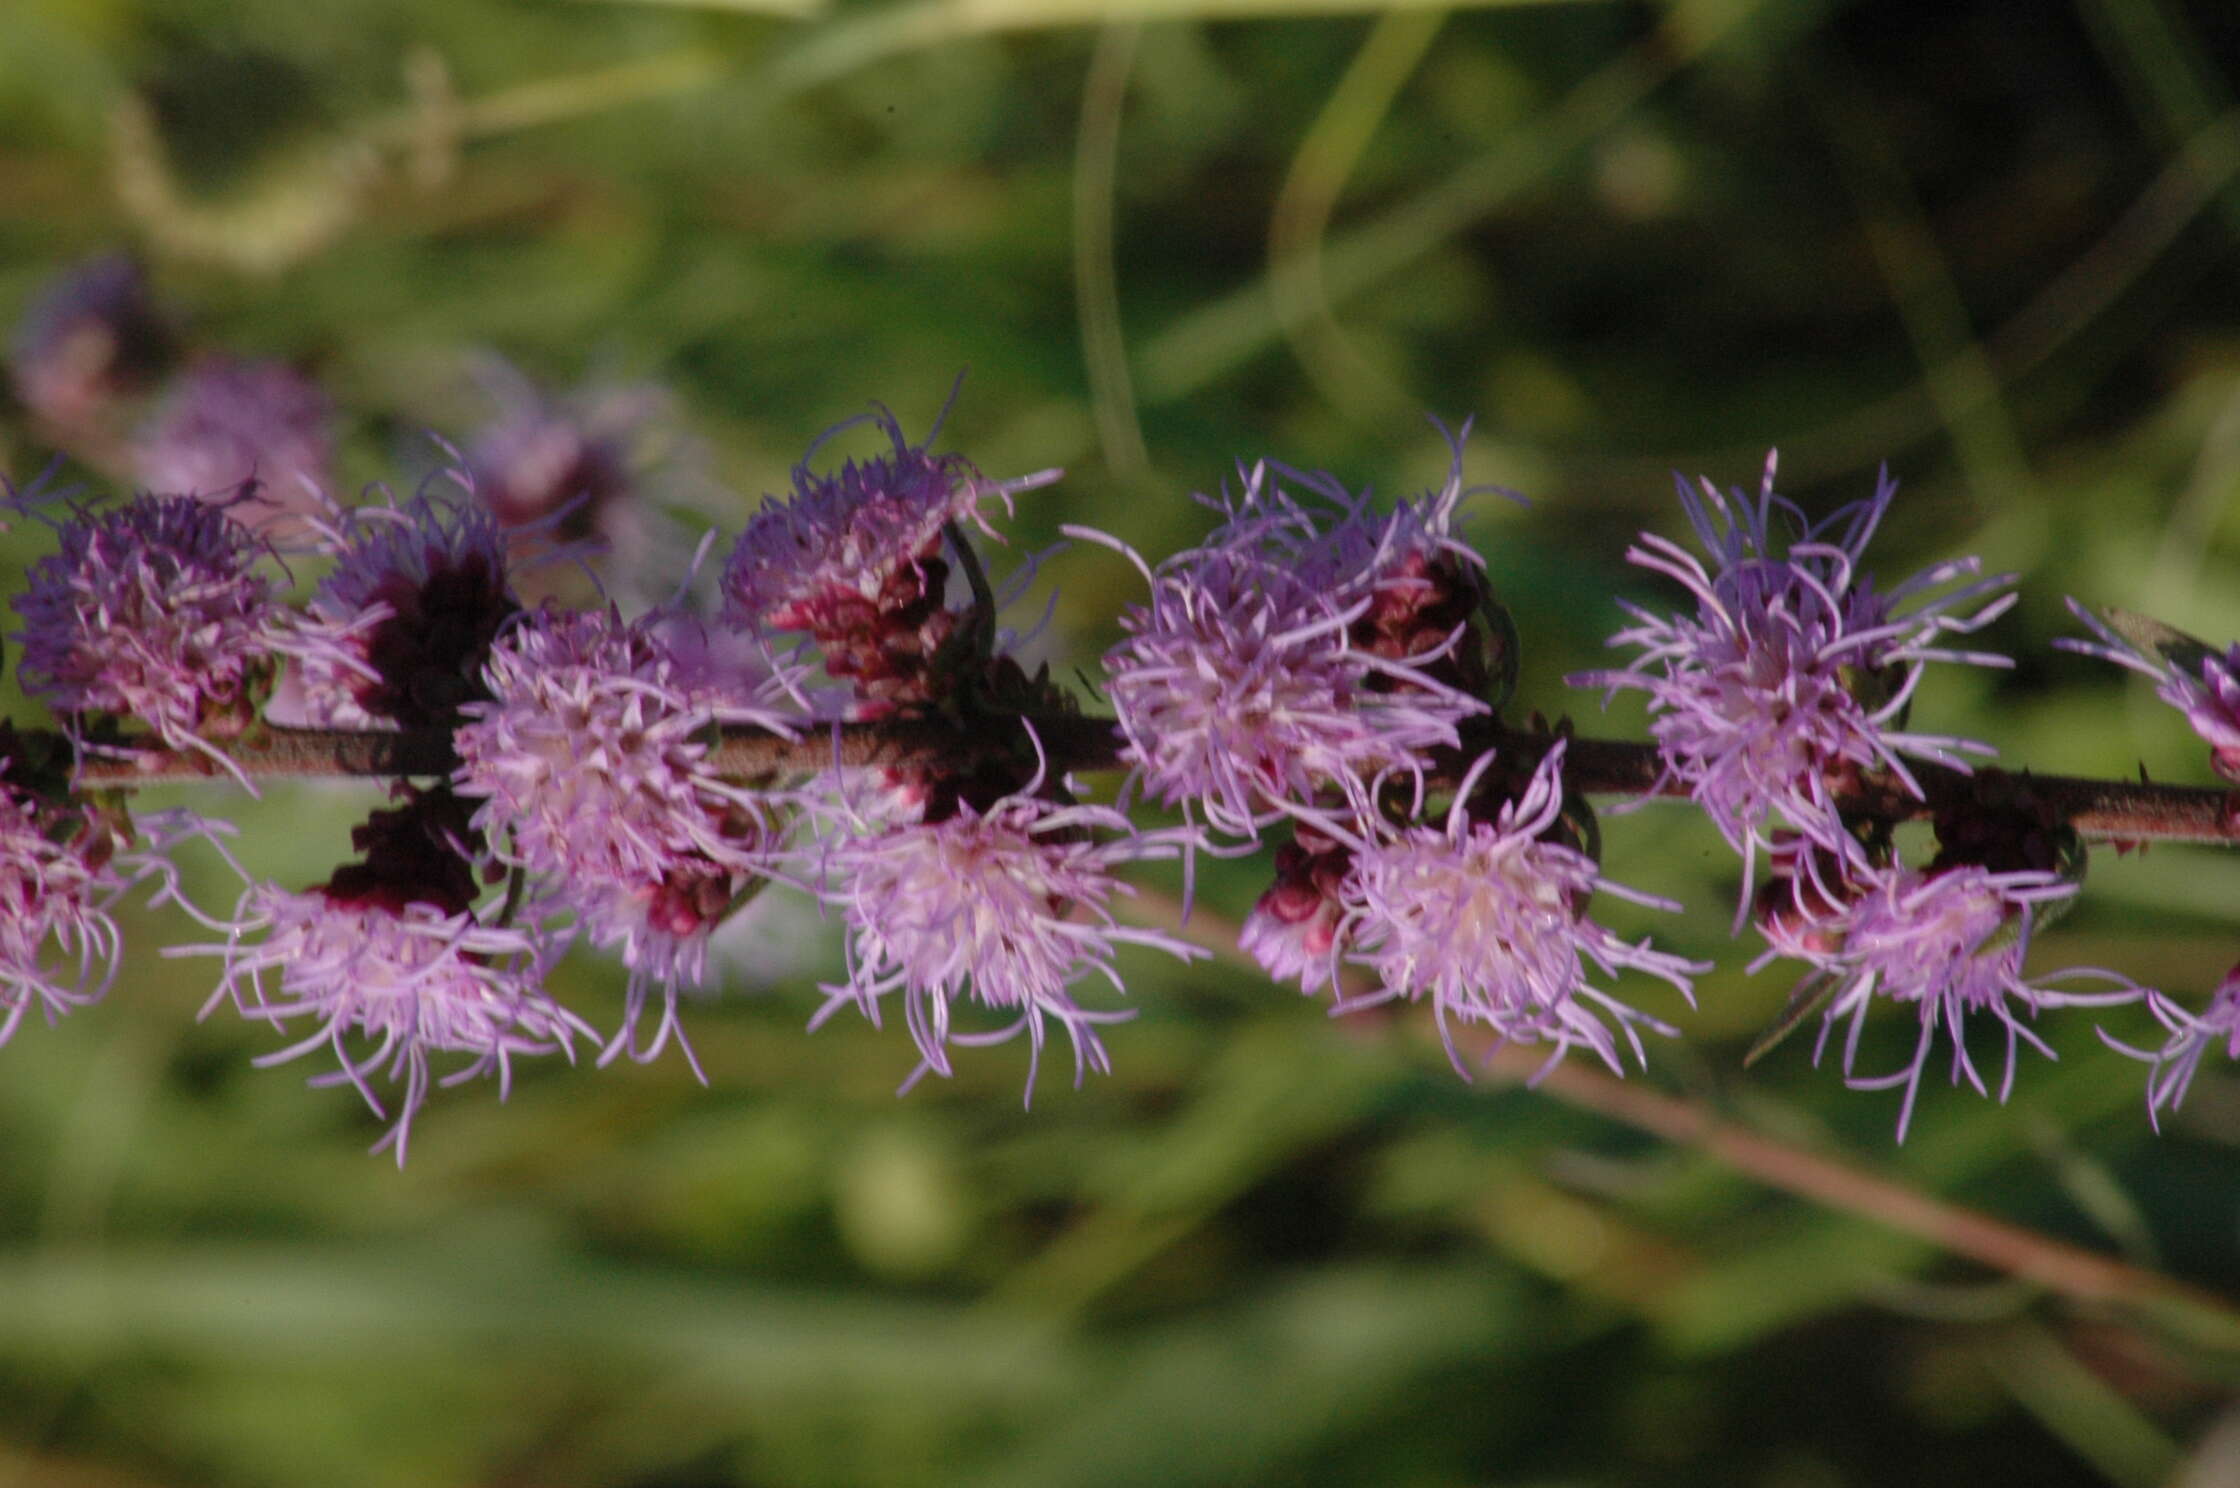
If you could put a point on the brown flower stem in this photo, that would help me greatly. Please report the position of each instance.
(2103, 810)
(270, 754)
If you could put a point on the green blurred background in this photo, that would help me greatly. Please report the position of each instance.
(1996, 245)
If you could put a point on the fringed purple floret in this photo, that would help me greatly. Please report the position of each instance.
(411, 979)
(1792, 674)
(1949, 944)
(852, 560)
(590, 763)
(1007, 907)
(1236, 689)
(397, 633)
(58, 944)
(155, 609)
(1488, 921)
(393, 950)
(1297, 649)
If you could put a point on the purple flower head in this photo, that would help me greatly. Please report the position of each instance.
(1006, 905)
(1289, 654)
(1236, 689)
(853, 559)
(563, 473)
(154, 609)
(92, 336)
(2191, 1036)
(226, 423)
(1949, 943)
(1488, 919)
(538, 461)
(397, 633)
(391, 951)
(1791, 677)
(590, 761)
(2196, 679)
(58, 944)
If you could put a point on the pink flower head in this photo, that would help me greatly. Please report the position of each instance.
(1789, 679)
(1005, 905)
(1293, 653)
(590, 760)
(58, 944)
(2191, 1036)
(390, 950)
(153, 609)
(1292, 930)
(1488, 919)
(227, 423)
(537, 461)
(397, 633)
(853, 559)
(1802, 908)
(1949, 943)
(92, 336)
(2197, 680)
(565, 473)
